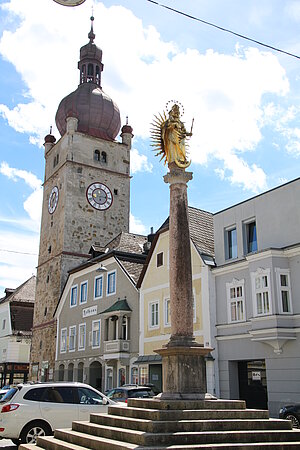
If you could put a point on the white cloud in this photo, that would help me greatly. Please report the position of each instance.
(18, 254)
(139, 163)
(136, 225)
(224, 93)
(33, 203)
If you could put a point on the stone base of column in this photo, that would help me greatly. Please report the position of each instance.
(184, 372)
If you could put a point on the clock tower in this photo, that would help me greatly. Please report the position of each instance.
(86, 196)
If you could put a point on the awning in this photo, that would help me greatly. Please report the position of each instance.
(148, 359)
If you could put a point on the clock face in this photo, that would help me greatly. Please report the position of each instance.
(69, 2)
(99, 196)
(53, 200)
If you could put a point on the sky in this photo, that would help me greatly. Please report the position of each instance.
(244, 99)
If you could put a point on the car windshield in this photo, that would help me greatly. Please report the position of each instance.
(140, 393)
(9, 395)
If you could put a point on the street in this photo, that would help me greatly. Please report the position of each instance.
(7, 443)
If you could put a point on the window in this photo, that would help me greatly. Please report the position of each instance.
(230, 243)
(73, 297)
(143, 375)
(72, 338)
(159, 259)
(96, 333)
(63, 340)
(122, 377)
(167, 312)
(96, 155)
(284, 290)
(81, 336)
(59, 394)
(87, 396)
(262, 293)
(35, 394)
(104, 157)
(109, 378)
(83, 292)
(111, 283)
(250, 236)
(124, 328)
(98, 291)
(153, 315)
(235, 301)
(135, 375)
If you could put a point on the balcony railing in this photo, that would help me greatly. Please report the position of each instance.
(116, 346)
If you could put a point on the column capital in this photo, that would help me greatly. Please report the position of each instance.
(177, 175)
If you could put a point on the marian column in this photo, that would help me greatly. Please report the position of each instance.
(184, 369)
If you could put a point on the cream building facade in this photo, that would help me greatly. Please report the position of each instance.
(155, 313)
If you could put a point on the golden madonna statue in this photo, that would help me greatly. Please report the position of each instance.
(169, 137)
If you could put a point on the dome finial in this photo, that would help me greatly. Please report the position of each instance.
(91, 34)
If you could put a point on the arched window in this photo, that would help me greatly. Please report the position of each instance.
(122, 378)
(90, 73)
(70, 371)
(97, 74)
(103, 157)
(83, 73)
(96, 155)
(80, 372)
(135, 375)
(61, 372)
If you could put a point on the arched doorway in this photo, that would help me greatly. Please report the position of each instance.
(95, 375)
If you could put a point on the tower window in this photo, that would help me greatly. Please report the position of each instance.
(116, 191)
(55, 161)
(45, 311)
(103, 157)
(96, 155)
(49, 249)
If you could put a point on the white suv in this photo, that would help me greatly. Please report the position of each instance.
(31, 410)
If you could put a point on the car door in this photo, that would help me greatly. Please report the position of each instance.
(90, 401)
(58, 406)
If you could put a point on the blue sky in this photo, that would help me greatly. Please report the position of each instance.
(245, 101)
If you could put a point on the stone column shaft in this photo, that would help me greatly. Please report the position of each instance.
(181, 292)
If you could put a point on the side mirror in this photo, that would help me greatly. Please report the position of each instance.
(104, 401)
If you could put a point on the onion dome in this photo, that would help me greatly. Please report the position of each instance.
(96, 112)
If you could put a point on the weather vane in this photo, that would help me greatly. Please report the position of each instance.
(69, 2)
(168, 135)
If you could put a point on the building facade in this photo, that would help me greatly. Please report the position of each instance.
(16, 317)
(155, 313)
(257, 250)
(86, 195)
(98, 316)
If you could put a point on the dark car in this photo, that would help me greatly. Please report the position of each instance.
(292, 413)
(122, 393)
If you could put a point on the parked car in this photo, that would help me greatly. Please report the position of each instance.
(292, 413)
(31, 410)
(122, 393)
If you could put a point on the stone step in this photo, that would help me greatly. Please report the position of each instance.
(156, 403)
(180, 438)
(30, 447)
(192, 414)
(52, 443)
(69, 437)
(189, 425)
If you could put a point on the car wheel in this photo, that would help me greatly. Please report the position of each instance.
(33, 430)
(294, 420)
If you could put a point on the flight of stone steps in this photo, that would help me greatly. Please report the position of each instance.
(160, 424)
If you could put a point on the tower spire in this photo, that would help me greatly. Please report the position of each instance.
(91, 34)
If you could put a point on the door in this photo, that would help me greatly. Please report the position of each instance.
(253, 383)
(155, 377)
(58, 406)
